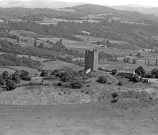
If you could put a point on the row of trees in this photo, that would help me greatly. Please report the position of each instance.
(111, 30)
(67, 77)
(9, 82)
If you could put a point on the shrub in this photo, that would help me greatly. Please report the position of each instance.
(16, 77)
(24, 75)
(55, 72)
(130, 54)
(140, 71)
(154, 72)
(76, 84)
(114, 100)
(149, 75)
(44, 73)
(135, 78)
(138, 55)
(134, 61)
(114, 95)
(120, 83)
(114, 72)
(102, 79)
(5, 74)
(10, 85)
(126, 59)
(2, 81)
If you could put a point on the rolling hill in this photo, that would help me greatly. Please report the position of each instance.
(130, 26)
(37, 3)
(141, 9)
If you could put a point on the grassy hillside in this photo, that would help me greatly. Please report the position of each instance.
(13, 60)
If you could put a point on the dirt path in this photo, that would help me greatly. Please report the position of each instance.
(88, 119)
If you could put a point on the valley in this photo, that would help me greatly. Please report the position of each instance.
(75, 69)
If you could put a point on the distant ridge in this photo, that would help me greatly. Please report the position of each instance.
(141, 9)
(93, 9)
(37, 3)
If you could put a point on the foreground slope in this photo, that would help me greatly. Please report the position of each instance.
(88, 119)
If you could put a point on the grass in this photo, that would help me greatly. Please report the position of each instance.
(30, 70)
(95, 39)
(72, 44)
(28, 34)
(120, 65)
(10, 71)
(60, 64)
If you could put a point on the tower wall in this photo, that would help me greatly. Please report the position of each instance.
(91, 60)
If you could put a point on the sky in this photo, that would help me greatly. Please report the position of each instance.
(148, 3)
(152, 3)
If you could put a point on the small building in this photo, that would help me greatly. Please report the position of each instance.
(126, 74)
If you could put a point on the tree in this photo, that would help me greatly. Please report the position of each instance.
(156, 62)
(140, 71)
(2, 81)
(35, 42)
(148, 62)
(41, 45)
(135, 78)
(134, 61)
(108, 43)
(5, 74)
(130, 54)
(115, 58)
(126, 59)
(44, 73)
(154, 72)
(17, 39)
(68, 59)
(16, 77)
(59, 43)
(24, 75)
(139, 55)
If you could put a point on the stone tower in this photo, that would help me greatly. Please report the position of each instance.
(91, 60)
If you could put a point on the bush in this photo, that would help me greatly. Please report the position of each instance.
(135, 78)
(102, 79)
(140, 71)
(134, 61)
(114, 95)
(149, 75)
(138, 55)
(24, 75)
(114, 72)
(126, 59)
(55, 72)
(154, 72)
(120, 83)
(2, 81)
(44, 73)
(76, 84)
(130, 54)
(16, 77)
(5, 74)
(10, 85)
